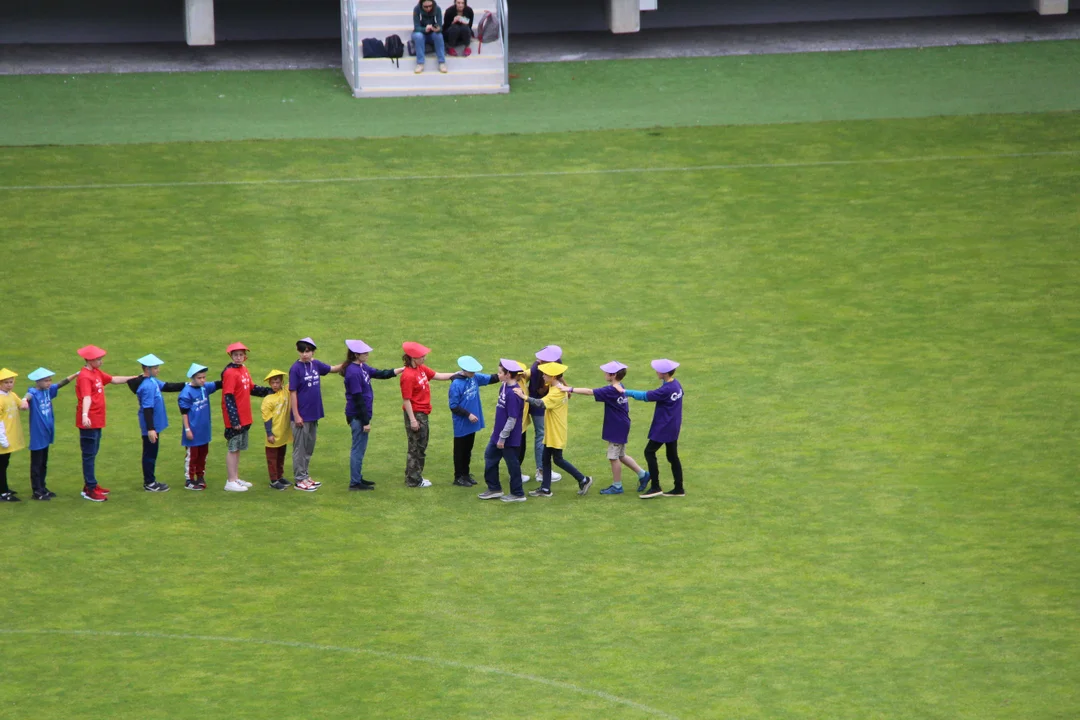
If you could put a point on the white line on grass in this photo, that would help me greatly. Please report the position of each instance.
(356, 651)
(543, 173)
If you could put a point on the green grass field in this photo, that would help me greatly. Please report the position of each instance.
(877, 323)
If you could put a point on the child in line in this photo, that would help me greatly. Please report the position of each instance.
(236, 391)
(90, 415)
(194, 403)
(153, 420)
(537, 389)
(11, 432)
(416, 404)
(506, 436)
(616, 428)
(666, 424)
(275, 415)
(555, 403)
(464, 398)
(305, 392)
(42, 427)
(359, 405)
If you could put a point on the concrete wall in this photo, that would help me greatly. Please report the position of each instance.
(73, 21)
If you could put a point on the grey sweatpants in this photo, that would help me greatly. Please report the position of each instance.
(303, 447)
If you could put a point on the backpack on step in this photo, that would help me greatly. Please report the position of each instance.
(487, 30)
(372, 48)
(395, 49)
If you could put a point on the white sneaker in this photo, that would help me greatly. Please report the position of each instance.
(245, 483)
(235, 486)
(555, 477)
(424, 482)
(524, 478)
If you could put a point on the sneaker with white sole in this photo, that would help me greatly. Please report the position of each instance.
(513, 498)
(234, 486)
(584, 485)
(306, 486)
(555, 477)
(540, 492)
(490, 495)
(419, 69)
(424, 482)
(525, 478)
(245, 483)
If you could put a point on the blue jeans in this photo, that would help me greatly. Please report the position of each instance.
(359, 449)
(90, 441)
(509, 455)
(420, 40)
(538, 439)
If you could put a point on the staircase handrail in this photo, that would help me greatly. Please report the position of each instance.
(504, 29)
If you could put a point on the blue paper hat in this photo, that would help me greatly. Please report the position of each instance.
(150, 360)
(195, 369)
(40, 374)
(469, 364)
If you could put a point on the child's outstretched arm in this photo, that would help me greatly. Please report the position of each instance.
(66, 380)
(574, 390)
(447, 376)
(638, 395)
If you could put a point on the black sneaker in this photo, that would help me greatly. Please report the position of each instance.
(651, 493)
(584, 485)
(282, 485)
(540, 492)
(9, 497)
(42, 496)
(194, 485)
(367, 482)
(471, 480)
(156, 487)
(462, 482)
(50, 493)
(677, 492)
(361, 487)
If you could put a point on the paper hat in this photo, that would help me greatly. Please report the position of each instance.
(150, 360)
(511, 365)
(195, 369)
(469, 364)
(549, 354)
(236, 346)
(91, 352)
(415, 349)
(664, 365)
(612, 367)
(358, 346)
(307, 340)
(274, 373)
(40, 374)
(5, 374)
(552, 368)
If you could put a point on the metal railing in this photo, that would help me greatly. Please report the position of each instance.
(504, 29)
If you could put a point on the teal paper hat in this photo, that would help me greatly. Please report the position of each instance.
(195, 369)
(150, 360)
(469, 364)
(40, 374)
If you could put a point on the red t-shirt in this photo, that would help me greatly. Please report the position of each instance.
(415, 387)
(236, 381)
(91, 384)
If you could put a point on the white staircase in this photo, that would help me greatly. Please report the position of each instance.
(486, 71)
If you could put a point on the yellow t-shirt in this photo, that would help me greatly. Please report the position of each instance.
(9, 418)
(556, 407)
(275, 408)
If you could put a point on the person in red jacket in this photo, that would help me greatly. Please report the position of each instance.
(416, 402)
(237, 389)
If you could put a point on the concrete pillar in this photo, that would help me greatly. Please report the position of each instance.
(1051, 7)
(199, 21)
(624, 16)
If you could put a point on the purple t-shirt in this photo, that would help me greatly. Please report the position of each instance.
(358, 381)
(509, 406)
(305, 379)
(616, 414)
(667, 418)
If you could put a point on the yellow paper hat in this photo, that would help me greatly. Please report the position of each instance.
(553, 368)
(275, 373)
(5, 374)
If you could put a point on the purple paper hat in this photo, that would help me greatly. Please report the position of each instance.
(612, 367)
(307, 340)
(664, 365)
(358, 346)
(551, 353)
(511, 365)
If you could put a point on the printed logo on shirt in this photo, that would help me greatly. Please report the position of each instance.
(676, 395)
(45, 406)
(311, 377)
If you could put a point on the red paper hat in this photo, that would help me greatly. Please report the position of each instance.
(415, 349)
(91, 352)
(236, 346)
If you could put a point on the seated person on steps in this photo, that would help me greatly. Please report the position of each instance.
(427, 27)
(457, 28)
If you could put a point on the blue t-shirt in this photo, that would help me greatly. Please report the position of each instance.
(197, 402)
(42, 422)
(465, 393)
(149, 394)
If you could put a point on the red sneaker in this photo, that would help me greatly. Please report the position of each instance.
(94, 494)
(452, 52)
(104, 489)
(468, 51)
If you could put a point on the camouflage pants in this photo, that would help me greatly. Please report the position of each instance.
(417, 453)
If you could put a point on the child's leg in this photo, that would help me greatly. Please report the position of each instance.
(470, 441)
(90, 442)
(461, 456)
(538, 439)
(189, 466)
(4, 460)
(38, 460)
(676, 464)
(616, 473)
(201, 453)
(281, 461)
(545, 469)
(654, 468)
(357, 452)
(271, 463)
(492, 455)
(149, 460)
(232, 466)
(632, 464)
(510, 457)
(303, 448)
(557, 458)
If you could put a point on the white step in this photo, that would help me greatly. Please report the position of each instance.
(430, 78)
(405, 91)
(455, 64)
